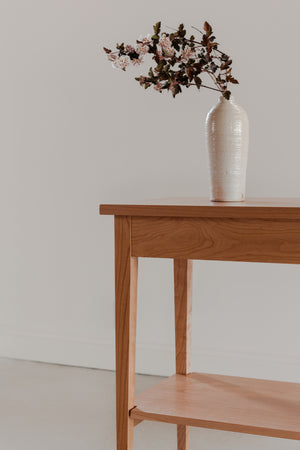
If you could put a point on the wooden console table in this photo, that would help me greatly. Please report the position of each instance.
(259, 230)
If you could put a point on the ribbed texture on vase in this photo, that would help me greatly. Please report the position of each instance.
(227, 136)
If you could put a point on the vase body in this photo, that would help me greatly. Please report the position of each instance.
(227, 137)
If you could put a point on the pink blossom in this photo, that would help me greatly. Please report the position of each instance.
(164, 41)
(166, 46)
(165, 52)
(111, 57)
(124, 61)
(168, 51)
(146, 40)
(142, 80)
(141, 49)
(159, 53)
(158, 87)
(121, 62)
(187, 53)
(137, 61)
(129, 49)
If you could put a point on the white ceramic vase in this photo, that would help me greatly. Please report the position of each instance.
(227, 137)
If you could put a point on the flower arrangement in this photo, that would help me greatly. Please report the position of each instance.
(180, 60)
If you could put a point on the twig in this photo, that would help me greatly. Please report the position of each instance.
(197, 29)
(171, 28)
(204, 85)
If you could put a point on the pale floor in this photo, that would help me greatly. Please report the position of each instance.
(51, 407)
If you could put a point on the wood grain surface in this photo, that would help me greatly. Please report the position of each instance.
(183, 314)
(252, 240)
(183, 331)
(257, 208)
(126, 271)
(258, 230)
(266, 408)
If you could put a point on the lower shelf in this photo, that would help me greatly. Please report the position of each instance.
(244, 405)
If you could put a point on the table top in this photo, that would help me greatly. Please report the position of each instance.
(263, 208)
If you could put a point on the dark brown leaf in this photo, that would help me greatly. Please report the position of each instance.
(226, 64)
(198, 82)
(190, 73)
(156, 28)
(175, 89)
(227, 95)
(207, 28)
(233, 80)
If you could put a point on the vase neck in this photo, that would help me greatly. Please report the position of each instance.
(222, 99)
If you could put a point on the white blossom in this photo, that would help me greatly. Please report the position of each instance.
(166, 46)
(146, 40)
(124, 61)
(187, 53)
(141, 49)
(137, 61)
(121, 62)
(159, 53)
(164, 41)
(168, 51)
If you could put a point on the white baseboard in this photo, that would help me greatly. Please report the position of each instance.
(152, 359)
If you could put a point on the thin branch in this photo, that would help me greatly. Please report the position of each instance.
(189, 40)
(197, 29)
(207, 87)
(171, 28)
(213, 77)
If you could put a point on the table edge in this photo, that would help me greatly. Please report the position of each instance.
(226, 211)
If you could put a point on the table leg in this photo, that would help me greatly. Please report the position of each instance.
(183, 330)
(126, 270)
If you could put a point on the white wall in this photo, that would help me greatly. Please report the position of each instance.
(75, 133)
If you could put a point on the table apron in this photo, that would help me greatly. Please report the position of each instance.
(222, 239)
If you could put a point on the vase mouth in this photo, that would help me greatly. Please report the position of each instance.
(222, 99)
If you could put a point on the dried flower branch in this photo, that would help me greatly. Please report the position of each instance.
(180, 61)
